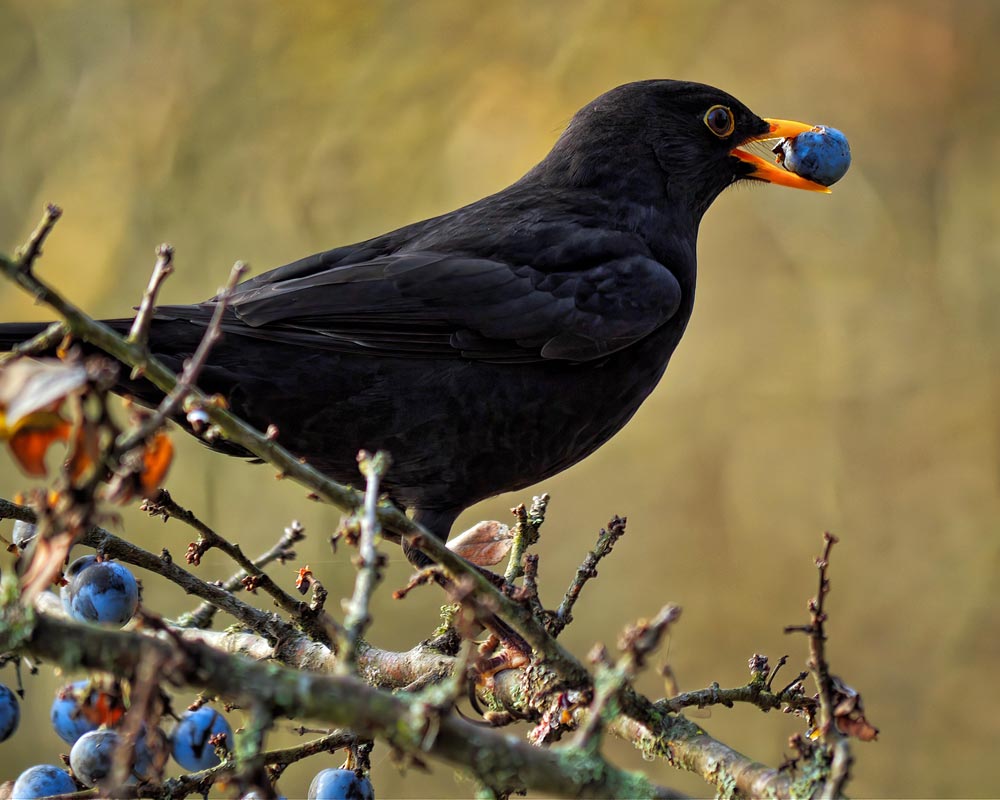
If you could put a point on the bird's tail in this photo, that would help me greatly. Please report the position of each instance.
(13, 333)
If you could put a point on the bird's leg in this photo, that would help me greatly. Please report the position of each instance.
(514, 651)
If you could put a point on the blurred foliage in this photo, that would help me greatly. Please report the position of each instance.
(840, 372)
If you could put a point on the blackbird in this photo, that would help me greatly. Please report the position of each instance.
(488, 348)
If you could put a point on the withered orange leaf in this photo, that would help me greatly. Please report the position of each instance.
(85, 452)
(303, 579)
(29, 443)
(156, 460)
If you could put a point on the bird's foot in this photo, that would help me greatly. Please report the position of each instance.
(498, 653)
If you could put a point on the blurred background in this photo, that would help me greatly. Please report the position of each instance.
(840, 372)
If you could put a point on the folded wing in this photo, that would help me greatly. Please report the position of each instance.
(427, 304)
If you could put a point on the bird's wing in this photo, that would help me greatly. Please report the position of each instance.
(426, 304)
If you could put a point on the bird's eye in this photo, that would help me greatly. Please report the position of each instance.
(720, 121)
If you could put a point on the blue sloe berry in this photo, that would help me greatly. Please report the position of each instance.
(340, 784)
(100, 591)
(190, 741)
(821, 155)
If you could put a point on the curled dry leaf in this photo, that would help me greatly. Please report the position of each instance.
(484, 544)
(303, 579)
(31, 392)
(84, 453)
(30, 441)
(31, 385)
(57, 529)
(849, 713)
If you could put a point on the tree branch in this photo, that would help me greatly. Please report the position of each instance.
(410, 726)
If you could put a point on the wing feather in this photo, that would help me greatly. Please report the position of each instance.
(420, 304)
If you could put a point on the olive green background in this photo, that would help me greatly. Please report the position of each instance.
(840, 371)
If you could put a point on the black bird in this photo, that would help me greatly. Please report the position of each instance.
(493, 346)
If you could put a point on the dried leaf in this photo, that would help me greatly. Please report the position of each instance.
(47, 560)
(31, 441)
(486, 543)
(849, 713)
(156, 460)
(30, 385)
(303, 579)
(85, 452)
(857, 726)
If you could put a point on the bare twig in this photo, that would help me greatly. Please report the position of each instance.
(25, 256)
(282, 552)
(163, 269)
(817, 642)
(588, 569)
(165, 505)
(774, 672)
(277, 760)
(357, 617)
(185, 384)
(751, 693)
(267, 625)
(637, 642)
(42, 343)
(525, 534)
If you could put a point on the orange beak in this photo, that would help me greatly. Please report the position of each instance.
(773, 173)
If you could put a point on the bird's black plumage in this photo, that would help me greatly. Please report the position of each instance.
(491, 347)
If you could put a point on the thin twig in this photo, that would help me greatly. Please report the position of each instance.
(279, 760)
(588, 569)
(192, 369)
(25, 256)
(751, 693)
(267, 625)
(816, 631)
(357, 617)
(774, 672)
(163, 269)
(165, 505)
(44, 342)
(525, 534)
(282, 551)
(637, 643)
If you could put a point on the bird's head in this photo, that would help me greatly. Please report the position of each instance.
(664, 140)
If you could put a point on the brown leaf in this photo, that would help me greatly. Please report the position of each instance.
(849, 713)
(857, 726)
(484, 544)
(303, 579)
(85, 452)
(47, 560)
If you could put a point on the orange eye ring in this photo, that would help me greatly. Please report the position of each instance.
(720, 121)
